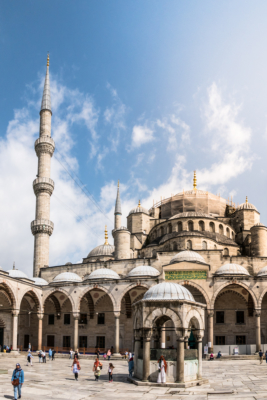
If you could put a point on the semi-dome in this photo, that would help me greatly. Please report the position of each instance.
(143, 270)
(67, 277)
(188, 255)
(168, 291)
(139, 209)
(102, 273)
(40, 281)
(231, 269)
(16, 273)
(262, 272)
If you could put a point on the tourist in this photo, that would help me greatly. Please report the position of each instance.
(53, 354)
(98, 352)
(76, 354)
(110, 372)
(266, 355)
(131, 366)
(104, 356)
(75, 368)
(211, 357)
(162, 369)
(50, 354)
(29, 347)
(71, 353)
(261, 356)
(130, 355)
(29, 358)
(17, 381)
(126, 354)
(219, 354)
(44, 356)
(97, 369)
(40, 355)
(108, 354)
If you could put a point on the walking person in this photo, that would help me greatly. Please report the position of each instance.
(50, 354)
(40, 355)
(108, 354)
(75, 368)
(53, 354)
(110, 372)
(29, 358)
(98, 352)
(131, 366)
(17, 381)
(97, 369)
(44, 356)
(71, 353)
(76, 354)
(162, 369)
(261, 356)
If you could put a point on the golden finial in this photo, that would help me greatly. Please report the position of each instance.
(118, 183)
(47, 63)
(106, 235)
(195, 181)
(139, 204)
(246, 199)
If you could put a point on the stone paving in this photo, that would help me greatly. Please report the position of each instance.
(54, 380)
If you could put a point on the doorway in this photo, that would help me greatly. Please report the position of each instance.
(26, 341)
(1, 338)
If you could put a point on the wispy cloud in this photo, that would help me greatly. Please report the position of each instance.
(141, 134)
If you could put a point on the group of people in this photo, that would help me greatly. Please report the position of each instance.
(261, 356)
(6, 349)
(219, 355)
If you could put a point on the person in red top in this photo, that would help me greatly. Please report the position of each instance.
(76, 368)
(162, 370)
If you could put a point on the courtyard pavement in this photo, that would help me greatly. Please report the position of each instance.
(54, 380)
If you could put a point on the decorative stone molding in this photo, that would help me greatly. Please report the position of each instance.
(44, 144)
(43, 184)
(42, 226)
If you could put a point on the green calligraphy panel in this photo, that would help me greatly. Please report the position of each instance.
(178, 275)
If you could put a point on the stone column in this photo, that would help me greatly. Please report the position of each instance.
(15, 330)
(137, 346)
(40, 331)
(117, 333)
(210, 330)
(163, 337)
(199, 355)
(76, 331)
(146, 354)
(258, 330)
(180, 360)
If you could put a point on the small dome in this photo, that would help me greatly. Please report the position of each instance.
(16, 273)
(102, 250)
(143, 270)
(102, 273)
(188, 255)
(168, 291)
(258, 224)
(231, 269)
(246, 206)
(139, 209)
(40, 281)
(67, 277)
(262, 272)
(68, 263)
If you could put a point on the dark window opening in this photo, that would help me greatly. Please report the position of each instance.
(220, 340)
(51, 319)
(100, 342)
(240, 317)
(101, 319)
(83, 341)
(66, 319)
(50, 340)
(219, 317)
(83, 319)
(66, 341)
(240, 339)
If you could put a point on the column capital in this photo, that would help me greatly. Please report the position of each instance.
(180, 339)
(15, 313)
(137, 335)
(40, 315)
(147, 334)
(210, 313)
(76, 315)
(257, 313)
(117, 314)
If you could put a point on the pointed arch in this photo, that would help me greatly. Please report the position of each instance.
(2, 323)
(163, 312)
(55, 290)
(8, 289)
(131, 286)
(214, 297)
(92, 287)
(195, 315)
(199, 288)
(34, 295)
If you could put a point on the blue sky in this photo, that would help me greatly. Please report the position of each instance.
(144, 92)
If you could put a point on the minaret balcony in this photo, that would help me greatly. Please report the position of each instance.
(42, 226)
(44, 144)
(43, 184)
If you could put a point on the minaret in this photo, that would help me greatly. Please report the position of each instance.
(43, 186)
(117, 212)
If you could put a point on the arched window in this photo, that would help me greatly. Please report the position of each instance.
(225, 252)
(189, 245)
(221, 229)
(212, 227)
(228, 232)
(204, 245)
(190, 226)
(201, 226)
(180, 226)
(174, 246)
(170, 228)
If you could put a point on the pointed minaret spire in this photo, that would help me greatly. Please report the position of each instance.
(117, 212)
(46, 99)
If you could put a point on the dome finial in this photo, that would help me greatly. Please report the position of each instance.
(246, 199)
(47, 62)
(195, 181)
(106, 235)
(139, 204)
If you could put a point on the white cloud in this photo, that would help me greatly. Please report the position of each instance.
(141, 134)
(177, 131)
